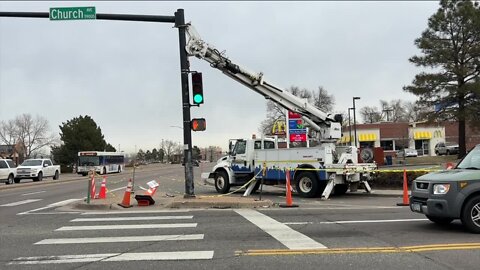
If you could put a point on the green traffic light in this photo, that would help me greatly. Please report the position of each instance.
(198, 98)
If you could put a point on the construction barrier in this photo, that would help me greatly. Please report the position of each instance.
(146, 199)
(288, 196)
(92, 187)
(405, 201)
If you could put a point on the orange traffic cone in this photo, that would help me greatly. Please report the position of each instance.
(126, 197)
(103, 189)
(92, 188)
(288, 198)
(405, 190)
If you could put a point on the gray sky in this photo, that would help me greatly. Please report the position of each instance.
(126, 75)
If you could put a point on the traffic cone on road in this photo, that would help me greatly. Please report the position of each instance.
(405, 190)
(103, 189)
(126, 197)
(92, 189)
(288, 197)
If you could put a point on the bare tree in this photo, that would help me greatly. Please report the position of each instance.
(322, 100)
(370, 114)
(169, 148)
(32, 134)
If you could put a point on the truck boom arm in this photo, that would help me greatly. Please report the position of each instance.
(317, 119)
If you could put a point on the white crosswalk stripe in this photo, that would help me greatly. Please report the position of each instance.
(111, 225)
(21, 202)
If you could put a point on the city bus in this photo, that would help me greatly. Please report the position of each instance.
(100, 162)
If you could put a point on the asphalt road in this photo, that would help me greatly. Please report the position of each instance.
(347, 232)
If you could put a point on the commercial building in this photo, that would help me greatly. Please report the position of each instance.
(421, 136)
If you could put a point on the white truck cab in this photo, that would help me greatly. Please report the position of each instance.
(37, 169)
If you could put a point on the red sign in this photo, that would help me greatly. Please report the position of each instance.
(298, 137)
(292, 115)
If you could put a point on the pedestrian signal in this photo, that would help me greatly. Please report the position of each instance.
(198, 124)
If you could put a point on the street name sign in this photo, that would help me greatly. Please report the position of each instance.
(72, 13)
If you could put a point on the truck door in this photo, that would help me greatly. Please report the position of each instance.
(240, 163)
(48, 169)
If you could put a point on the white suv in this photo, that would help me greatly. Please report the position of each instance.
(8, 172)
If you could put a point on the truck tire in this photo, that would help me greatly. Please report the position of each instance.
(84, 174)
(56, 176)
(222, 184)
(10, 179)
(39, 177)
(471, 214)
(440, 220)
(306, 184)
(16, 180)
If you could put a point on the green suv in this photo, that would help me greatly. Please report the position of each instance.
(451, 194)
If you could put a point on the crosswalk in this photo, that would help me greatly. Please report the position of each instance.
(122, 229)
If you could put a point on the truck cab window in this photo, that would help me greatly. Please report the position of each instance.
(240, 147)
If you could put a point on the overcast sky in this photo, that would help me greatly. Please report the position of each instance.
(126, 75)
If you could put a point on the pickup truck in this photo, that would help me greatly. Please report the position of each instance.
(8, 172)
(451, 194)
(37, 169)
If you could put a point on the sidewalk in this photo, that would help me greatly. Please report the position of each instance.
(168, 201)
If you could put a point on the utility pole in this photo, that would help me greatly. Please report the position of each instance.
(355, 120)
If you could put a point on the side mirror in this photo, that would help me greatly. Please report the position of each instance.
(45, 165)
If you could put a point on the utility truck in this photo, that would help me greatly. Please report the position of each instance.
(315, 170)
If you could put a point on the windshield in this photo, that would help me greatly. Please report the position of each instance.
(472, 160)
(10, 163)
(32, 162)
(88, 161)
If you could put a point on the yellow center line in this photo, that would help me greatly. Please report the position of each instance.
(406, 249)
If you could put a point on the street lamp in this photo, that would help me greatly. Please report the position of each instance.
(177, 127)
(355, 121)
(349, 127)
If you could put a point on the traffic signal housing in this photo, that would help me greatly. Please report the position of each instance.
(198, 124)
(197, 88)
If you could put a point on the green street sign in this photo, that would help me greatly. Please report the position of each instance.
(72, 13)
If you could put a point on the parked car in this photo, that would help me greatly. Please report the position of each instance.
(407, 152)
(37, 169)
(447, 148)
(8, 172)
(194, 163)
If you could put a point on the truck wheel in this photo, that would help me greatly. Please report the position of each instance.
(440, 220)
(10, 179)
(306, 185)
(222, 184)
(84, 174)
(16, 180)
(39, 177)
(56, 176)
(471, 215)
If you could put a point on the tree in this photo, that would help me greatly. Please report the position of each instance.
(196, 154)
(370, 114)
(141, 155)
(155, 154)
(168, 148)
(31, 134)
(451, 52)
(79, 134)
(320, 99)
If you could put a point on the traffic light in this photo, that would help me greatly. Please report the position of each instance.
(197, 88)
(198, 124)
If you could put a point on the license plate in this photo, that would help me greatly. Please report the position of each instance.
(417, 207)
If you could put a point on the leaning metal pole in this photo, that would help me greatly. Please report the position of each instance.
(187, 131)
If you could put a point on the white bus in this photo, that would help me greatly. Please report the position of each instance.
(100, 162)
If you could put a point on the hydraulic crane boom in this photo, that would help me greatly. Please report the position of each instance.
(326, 125)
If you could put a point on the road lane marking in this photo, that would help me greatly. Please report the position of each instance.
(117, 257)
(130, 218)
(57, 204)
(127, 227)
(111, 190)
(135, 212)
(356, 221)
(286, 235)
(21, 202)
(32, 193)
(405, 249)
(148, 238)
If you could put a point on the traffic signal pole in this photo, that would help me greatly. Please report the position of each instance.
(187, 131)
(179, 20)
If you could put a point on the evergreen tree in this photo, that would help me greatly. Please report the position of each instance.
(451, 53)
